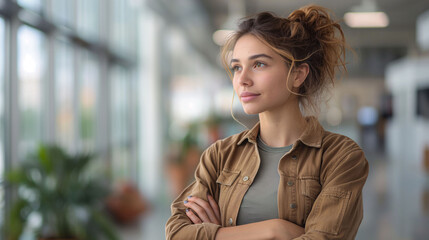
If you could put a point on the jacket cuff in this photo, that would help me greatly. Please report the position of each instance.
(211, 230)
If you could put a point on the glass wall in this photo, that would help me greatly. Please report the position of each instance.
(2, 116)
(88, 18)
(122, 37)
(88, 85)
(35, 5)
(31, 78)
(62, 61)
(64, 94)
(62, 12)
(120, 133)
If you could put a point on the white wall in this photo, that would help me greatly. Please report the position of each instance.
(406, 133)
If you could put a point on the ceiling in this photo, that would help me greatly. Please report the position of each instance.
(375, 48)
(400, 32)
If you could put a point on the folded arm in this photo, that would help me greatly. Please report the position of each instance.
(200, 211)
(275, 229)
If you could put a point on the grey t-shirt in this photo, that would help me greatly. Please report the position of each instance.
(260, 201)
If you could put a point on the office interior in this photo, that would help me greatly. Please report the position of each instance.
(138, 85)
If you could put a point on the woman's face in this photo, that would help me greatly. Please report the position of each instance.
(260, 76)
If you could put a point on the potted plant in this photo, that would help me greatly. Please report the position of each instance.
(126, 203)
(55, 188)
(182, 159)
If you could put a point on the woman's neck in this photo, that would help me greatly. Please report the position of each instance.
(282, 127)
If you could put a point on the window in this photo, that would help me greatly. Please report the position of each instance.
(122, 34)
(62, 12)
(31, 74)
(64, 94)
(2, 115)
(119, 122)
(88, 84)
(88, 18)
(120, 111)
(35, 5)
(58, 90)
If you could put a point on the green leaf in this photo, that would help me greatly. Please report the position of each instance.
(20, 177)
(15, 176)
(44, 158)
(55, 184)
(82, 161)
(17, 221)
(105, 224)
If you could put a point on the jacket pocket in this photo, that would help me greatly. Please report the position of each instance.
(227, 177)
(310, 188)
(228, 182)
(330, 209)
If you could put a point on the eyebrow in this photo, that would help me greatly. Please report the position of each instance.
(262, 55)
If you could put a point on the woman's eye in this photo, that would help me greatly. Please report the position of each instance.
(235, 68)
(259, 64)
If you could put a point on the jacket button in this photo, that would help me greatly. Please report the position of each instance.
(293, 206)
(230, 221)
(245, 178)
(294, 157)
(290, 183)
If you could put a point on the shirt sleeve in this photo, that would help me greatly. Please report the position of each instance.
(179, 226)
(338, 210)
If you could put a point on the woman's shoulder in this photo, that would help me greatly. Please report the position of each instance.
(341, 144)
(342, 154)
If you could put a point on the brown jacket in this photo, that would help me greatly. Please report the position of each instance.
(320, 188)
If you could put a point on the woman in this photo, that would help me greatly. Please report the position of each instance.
(286, 178)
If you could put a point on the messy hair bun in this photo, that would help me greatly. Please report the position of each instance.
(308, 35)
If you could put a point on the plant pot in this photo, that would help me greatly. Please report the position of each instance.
(178, 177)
(126, 203)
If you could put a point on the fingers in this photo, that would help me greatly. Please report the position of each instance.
(214, 206)
(192, 216)
(199, 210)
(208, 209)
(205, 211)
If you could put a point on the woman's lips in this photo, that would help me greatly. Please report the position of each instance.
(247, 96)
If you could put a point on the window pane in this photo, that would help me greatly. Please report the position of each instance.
(35, 5)
(88, 79)
(2, 104)
(62, 12)
(64, 94)
(31, 65)
(124, 28)
(88, 14)
(119, 123)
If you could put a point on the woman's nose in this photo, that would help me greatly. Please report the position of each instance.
(245, 77)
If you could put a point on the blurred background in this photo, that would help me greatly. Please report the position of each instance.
(139, 85)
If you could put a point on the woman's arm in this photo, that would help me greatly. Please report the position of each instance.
(273, 229)
(338, 210)
(179, 226)
(200, 211)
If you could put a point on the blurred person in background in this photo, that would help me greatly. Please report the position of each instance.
(286, 178)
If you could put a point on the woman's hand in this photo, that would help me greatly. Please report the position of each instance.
(199, 210)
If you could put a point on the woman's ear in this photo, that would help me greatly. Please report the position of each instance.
(301, 73)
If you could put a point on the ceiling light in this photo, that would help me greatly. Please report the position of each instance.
(236, 11)
(366, 15)
(220, 36)
(366, 19)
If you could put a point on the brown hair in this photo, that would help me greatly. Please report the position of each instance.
(309, 35)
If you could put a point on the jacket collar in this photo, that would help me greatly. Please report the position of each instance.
(312, 135)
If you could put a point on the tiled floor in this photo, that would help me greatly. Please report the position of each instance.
(396, 205)
(396, 202)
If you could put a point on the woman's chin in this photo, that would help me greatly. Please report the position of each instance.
(250, 111)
